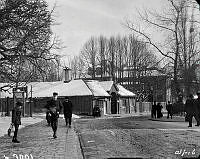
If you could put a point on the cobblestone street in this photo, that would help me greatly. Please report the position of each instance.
(36, 141)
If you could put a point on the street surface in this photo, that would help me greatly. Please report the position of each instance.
(36, 142)
(138, 137)
(109, 137)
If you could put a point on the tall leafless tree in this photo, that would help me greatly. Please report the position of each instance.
(25, 37)
(174, 23)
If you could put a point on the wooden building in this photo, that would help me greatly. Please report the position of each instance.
(122, 100)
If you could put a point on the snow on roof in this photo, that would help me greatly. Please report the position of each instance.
(124, 92)
(6, 90)
(40, 86)
(106, 85)
(73, 88)
(97, 89)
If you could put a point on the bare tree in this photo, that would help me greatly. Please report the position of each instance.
(174, 25)
(89, 54)
(25, 37)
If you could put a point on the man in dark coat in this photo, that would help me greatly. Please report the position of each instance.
(159, 110)
(96, 111)
(67, 110)
(16, 119)
(169, 110)
(54, 106)
(197, 108)
(191, 110)
(153, 110)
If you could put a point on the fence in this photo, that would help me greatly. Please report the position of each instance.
(7, 104)
(145, 107)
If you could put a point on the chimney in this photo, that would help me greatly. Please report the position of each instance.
(67, 74)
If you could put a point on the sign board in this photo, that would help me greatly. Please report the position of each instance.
(18, 94)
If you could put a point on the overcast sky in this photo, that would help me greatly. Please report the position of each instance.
(81, 19)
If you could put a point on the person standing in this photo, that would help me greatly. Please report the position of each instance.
(197, 109)
(67, 110)
(159, 110)
(16, 120)
(54, 107)
(169, 109)
(153, 110)
(191, 110)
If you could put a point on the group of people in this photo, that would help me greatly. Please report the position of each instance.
(192, 109)
(54, 108)
(156, 110)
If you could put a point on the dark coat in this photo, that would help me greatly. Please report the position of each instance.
(190, 106)
(54, 104)
(16, 115)
(197, 105)
(154, 106)
(159, 111)
(53, 107)
(169, 107)
(67, 108)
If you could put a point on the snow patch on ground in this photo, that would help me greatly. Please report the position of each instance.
(61, 115)
(5, 123)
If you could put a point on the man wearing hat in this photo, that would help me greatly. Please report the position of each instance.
(54, 106)
(67, 110)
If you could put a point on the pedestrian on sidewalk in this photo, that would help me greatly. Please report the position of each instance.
(191, 110)
(153, 110)
(159, 110)
(197, 108)
(16, 120)
(67, 110)
(54, 107)
(169, 110)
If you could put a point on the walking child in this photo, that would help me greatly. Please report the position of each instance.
(16, 120)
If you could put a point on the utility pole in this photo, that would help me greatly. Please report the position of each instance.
(31, 101)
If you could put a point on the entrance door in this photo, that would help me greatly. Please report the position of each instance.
(113, 103)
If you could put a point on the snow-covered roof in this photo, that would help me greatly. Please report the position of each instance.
(123, 92)
(97, 89)
(107, 85)
(40, 86)
(72, 88)
(6, 90)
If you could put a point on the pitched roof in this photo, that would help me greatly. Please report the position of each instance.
(72, 88)
(123, 92)
(106, 85)
(97, 89)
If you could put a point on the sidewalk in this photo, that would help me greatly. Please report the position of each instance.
(5, 123)
(36, 141)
